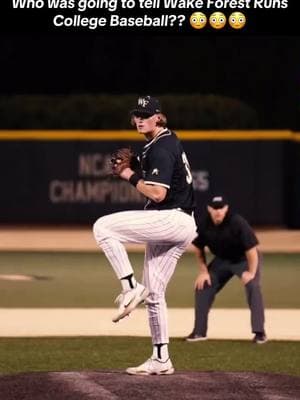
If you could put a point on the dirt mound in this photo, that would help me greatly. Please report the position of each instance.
(114, 385)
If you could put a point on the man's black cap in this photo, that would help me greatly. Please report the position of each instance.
(146, 106)
(218, 202)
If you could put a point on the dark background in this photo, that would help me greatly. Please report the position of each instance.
(262, 71)
(259, 66)
(254, 183)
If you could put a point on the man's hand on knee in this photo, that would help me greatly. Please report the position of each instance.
(247, 277)
(201, 279)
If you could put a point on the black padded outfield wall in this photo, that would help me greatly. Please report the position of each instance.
(65, 181)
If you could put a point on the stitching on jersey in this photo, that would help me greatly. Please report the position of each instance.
(155, 137)
(165, 132)
(145, 150)
(157, 183)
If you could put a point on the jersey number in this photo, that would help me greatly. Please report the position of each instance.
(187, 167)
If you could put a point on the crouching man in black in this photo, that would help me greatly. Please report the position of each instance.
(233, 243)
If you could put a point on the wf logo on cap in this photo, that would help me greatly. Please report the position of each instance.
(143, 101)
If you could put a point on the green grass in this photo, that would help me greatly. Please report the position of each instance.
(87, 280)
(73, 354)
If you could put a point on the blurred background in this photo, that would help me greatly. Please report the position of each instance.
(64, 107)
(65, 99)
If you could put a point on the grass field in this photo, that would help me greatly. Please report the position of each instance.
(73, 354)
(86, 280)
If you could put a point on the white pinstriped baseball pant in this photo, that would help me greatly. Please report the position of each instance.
(167, 233)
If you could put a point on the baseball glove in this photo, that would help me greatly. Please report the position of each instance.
(123, 158)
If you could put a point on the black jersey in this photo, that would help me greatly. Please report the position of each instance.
(229, 240)
(164, 163)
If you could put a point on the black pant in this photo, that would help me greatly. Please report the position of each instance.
(221, 271)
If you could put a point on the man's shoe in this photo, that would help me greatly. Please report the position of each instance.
(129, 300)
(260, 338)
(193, 337)
(152, 366)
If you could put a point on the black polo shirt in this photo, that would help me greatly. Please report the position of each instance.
(229, 240)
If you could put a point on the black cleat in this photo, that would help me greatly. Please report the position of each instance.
(193, 337)
(260, 338)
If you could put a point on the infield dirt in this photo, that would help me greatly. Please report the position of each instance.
(114, 385)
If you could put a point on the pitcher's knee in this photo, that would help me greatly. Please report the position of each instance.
(101, 230)
(191, 235)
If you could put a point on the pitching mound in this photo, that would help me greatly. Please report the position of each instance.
(114, 385)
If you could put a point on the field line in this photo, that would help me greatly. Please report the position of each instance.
(281, 324)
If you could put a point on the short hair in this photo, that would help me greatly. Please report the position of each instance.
(162, 120)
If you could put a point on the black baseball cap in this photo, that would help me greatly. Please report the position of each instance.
(218, 202)
(146, 107)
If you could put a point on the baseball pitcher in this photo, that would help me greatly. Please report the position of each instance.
(166, 225)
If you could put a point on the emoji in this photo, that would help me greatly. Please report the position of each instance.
(198, 20)
(237, 20)
(217, 20)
